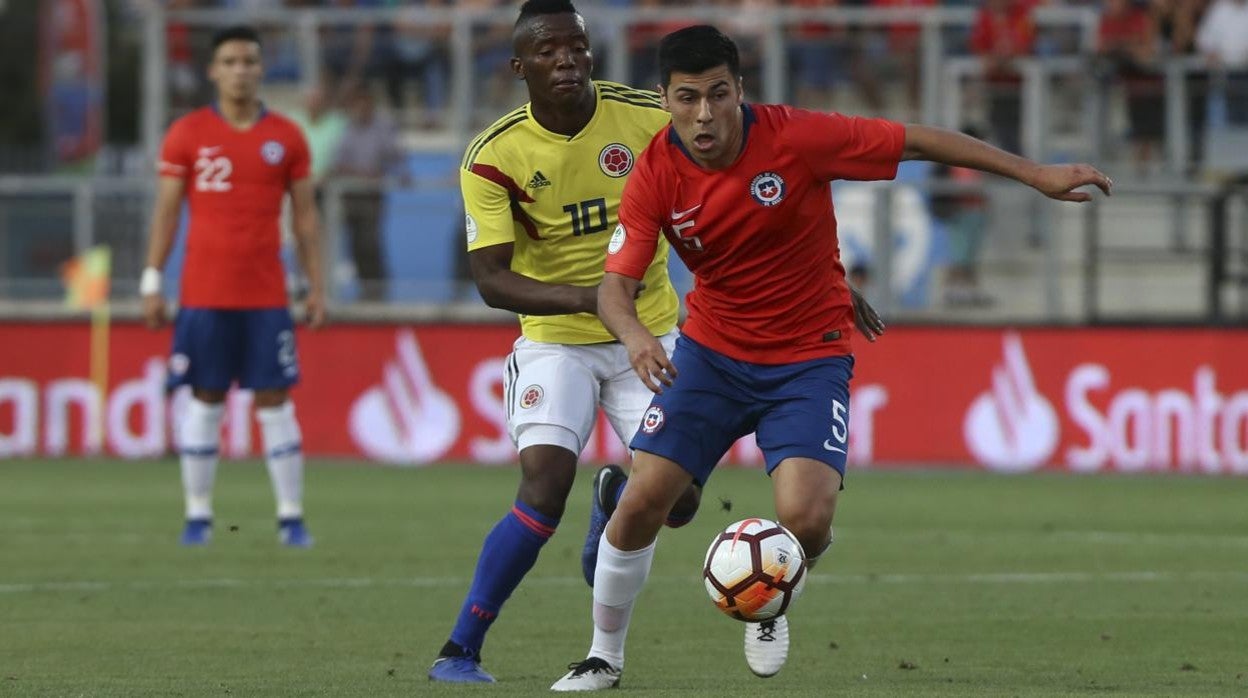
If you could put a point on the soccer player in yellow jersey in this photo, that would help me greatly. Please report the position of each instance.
(541, 188)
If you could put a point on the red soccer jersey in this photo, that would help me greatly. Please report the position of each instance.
(759, 236)
(235, 181)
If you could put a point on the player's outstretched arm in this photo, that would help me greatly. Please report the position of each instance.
(500, 287)
(617, 309)
(866, 319)
(960, 150)
(164, 223)
(306, 225)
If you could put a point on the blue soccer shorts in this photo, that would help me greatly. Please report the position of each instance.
(796, 410)
(213, 348)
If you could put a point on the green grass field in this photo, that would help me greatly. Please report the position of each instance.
(939, 584)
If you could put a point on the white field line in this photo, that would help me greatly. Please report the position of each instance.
(1140, 576)
(1093, 537)
(19, 531)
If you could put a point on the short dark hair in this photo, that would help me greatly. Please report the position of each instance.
(238, 32)
(696, 49)
(534, 8)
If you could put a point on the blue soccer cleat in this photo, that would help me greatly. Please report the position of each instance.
(197, 532)
(606, 483)
(293, 534)
(459, 670)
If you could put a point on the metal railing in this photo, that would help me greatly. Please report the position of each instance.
(611, 28)
(1178, 251)
(1068, 259)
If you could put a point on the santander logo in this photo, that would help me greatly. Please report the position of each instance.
(1011, 427)
(407, 419)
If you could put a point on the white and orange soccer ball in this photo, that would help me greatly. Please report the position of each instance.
(754, 570)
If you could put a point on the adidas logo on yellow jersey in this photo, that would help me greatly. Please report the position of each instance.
(539, 180)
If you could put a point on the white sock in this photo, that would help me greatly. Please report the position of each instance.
(198, 444)
(617, 581)
(283, 449)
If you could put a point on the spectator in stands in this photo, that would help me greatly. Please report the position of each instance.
(964, 213)
(1222, 38)
(901, 41)
(368, 153)
(250, 5)
(1127, 47)
(1176, 25)
(819, 58)
(348, 50)
(492, 51)
(323, 127)
(643, 43)
(416, 52)
(184, 74)
(1002, 33)
(748, 25)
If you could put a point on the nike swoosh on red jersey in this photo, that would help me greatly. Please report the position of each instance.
(677, 215)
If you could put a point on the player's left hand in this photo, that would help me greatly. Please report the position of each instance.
(1060, 181)
(650, 361)
(866, 319)
(315, 310)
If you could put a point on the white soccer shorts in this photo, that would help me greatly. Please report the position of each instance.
(564, 384)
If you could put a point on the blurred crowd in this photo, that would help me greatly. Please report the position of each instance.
(407, 61)
(377, 80)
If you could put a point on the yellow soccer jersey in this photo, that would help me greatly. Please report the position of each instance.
(557, 199)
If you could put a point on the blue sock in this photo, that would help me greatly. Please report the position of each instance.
(508, 554)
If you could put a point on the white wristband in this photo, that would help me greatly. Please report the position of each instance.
(149, 282)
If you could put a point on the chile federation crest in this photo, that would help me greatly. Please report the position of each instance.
(767, 188)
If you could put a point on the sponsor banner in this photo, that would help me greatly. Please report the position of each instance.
(1084, 400)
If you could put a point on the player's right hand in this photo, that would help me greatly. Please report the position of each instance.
(865, 318)
(154, 310)
(315, 307)
(650, 361)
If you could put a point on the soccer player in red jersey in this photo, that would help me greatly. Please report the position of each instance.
(741, 193)
(234, 162)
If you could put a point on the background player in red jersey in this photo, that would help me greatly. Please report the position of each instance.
(234, 162)
(741, 192)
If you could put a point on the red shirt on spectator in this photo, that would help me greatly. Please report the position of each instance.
(814, 29)
(1003, 30)
(904, 35)
(1121, 30)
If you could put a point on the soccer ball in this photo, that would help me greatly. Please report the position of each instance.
(754, 570)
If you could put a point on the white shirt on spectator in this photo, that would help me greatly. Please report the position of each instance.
(1223, 33)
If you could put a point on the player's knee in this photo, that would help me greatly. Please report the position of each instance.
(210, 397)
(547, 493)
(685, 508)
(547, 471)
(269, 398)
(812, 529)
(641, 511)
